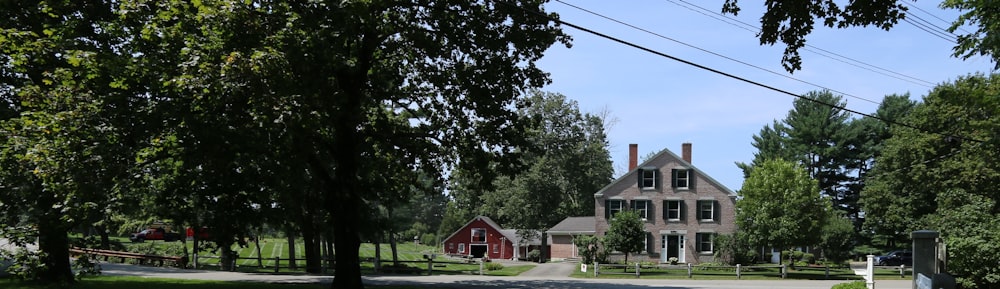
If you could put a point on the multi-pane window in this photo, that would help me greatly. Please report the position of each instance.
(706, 210)
(496, 248)
(612, 207)
(705, 242)
(479, 235)
(682, 178)
(672, 210)
(461, 247)
(643, 207)
(649, 178)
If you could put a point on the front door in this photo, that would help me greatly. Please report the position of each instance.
(673, 246)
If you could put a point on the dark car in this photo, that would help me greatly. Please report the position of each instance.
(895, 258)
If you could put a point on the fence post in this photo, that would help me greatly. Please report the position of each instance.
(430, 267)
(827, 267)
(636, 269)
(689, 270)
(783, 271)
(596, 267)
(480, 267)
(277, 263)
(738, 275)
(902, 270)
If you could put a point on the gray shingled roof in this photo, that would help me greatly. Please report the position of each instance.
(574, 225)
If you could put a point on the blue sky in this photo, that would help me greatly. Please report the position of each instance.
(660, 103)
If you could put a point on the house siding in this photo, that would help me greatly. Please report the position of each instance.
(464, 235)
(702, 188)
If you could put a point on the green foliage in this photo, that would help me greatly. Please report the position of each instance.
(946, 182)
(566, 160)
(534, 255)
(591, 249)
(732, 249)
(626, 233)
(790, 23)
(850, 285)
(837, 239)
(494, 266)
(780, 206)
(84, 267)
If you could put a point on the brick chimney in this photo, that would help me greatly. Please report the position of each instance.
(686, 152)
(633, 156)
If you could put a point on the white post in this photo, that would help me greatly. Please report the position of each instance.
(481, 267)
(737, 271)
(636, 269)
(689, 270)
(870, 273)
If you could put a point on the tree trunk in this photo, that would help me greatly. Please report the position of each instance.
(228, 257)
(291, 249)
(105, 240)
(347, 243)
(54, 242)
(378, 256)
(626, 262)
(260, 261)
(196, 243)
(311, 247)
(395, 251)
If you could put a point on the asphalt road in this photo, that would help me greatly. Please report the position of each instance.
(535, 278)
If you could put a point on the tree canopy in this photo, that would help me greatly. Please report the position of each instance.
(943, 177)
(780, 206)
(791, 22)
(220, 111)
(626, 233)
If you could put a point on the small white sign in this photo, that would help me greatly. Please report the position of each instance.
(583, 268)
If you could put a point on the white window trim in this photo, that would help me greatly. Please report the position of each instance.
(670, 209)
(701, 242)
(686, 178)
(622, 205)
(651, 177)
(701, 210)
(644, 212)
(461, 248)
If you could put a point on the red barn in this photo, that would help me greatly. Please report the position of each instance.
(482, 237)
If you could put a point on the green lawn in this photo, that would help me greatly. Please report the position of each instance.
(730, 274)
(121, 282)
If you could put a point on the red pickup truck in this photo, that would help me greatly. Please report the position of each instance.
(155, 234)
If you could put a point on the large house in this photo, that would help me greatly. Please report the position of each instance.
(684, 209)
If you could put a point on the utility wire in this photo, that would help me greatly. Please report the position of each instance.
(714, 53)
(935, 16)
(716, 71)
(852, 61)
(930, 30)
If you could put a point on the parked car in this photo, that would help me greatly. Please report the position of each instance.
(154, 234)
(895, 258)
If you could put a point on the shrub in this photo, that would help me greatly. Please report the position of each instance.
(494, 266)
(850, 285)
(534, 256)
(428, 239)
(83, 266)
(809, 258)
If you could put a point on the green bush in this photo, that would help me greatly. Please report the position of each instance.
(850, 285)
(809, 258)
(494, 266)
(534, 256)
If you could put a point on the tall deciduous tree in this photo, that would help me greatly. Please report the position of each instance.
(780, 206)
(944, 175)
(66, 129)
(626, 233)
(566, 161)
(420, 83)
(791, 22)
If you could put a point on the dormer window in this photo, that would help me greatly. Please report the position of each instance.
(649, 178)
(682, 178)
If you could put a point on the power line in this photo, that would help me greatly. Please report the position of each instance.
(931, 31)
(851, 61)
(935, 16)
(714, 53)
(729, 75)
